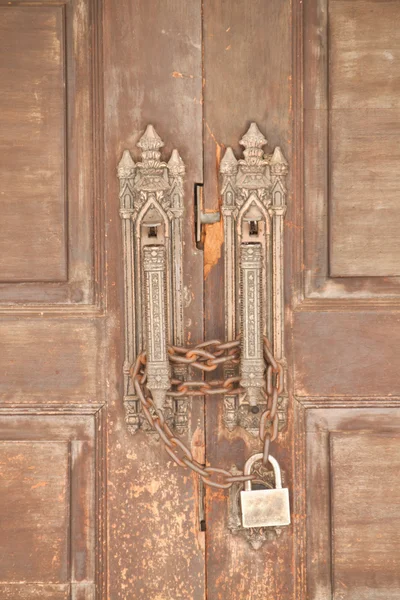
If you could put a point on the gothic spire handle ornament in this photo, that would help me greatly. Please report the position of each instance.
(253, 207)
(151, 209)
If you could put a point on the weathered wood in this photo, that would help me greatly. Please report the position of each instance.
(34, 536)
(152, 53)
(32, 121)
(247, 69)
(365, 501)
(364, 135)
(350, 149)
(50, 132)
(42, 360)
(363, 47)
(61, 332)
(352, 466)
(48, 507)
(347, 353)
(344, 328)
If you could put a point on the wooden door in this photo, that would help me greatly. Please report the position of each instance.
(89, 511)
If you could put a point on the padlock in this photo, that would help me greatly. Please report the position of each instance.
(268, 507)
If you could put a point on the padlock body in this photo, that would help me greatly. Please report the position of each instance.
(265, 508)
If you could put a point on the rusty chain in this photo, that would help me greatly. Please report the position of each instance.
(207, 357)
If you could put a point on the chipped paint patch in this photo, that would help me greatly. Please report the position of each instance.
(178, 75)
(198, 445)
(214, 238)
(39, 485)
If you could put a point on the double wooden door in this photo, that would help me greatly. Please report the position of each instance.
(90, 511)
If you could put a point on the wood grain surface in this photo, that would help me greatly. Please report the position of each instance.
(32, 119)
(152, 60)
(88, 511)
(247, 77)
(364, 135)
(50, 134)
(48, 506)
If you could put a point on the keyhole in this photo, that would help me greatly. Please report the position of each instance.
(253, 228)
(152, 232)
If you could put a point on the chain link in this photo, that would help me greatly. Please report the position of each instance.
(205, 357)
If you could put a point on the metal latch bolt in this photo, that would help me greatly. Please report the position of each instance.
(202, 218)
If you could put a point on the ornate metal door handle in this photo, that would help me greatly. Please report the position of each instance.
(253, 207)
(151, 206)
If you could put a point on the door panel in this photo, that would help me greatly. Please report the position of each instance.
(48, 152)
(51, 360)
(351, 149)
(41, 465)
(364, 132)
(365, 514)
(347, 353)
(52, 328)
(34, 127)
(353, 504)
(49, 502)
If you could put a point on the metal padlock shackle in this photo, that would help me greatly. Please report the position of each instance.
(275, 465)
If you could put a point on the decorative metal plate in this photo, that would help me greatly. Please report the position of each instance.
(151, 209)
(253, 207)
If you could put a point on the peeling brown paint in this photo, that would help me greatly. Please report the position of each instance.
(38, 485)
(198, 445)
(214, 235)
(179, 75)
(213, 240)
(218, 145)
